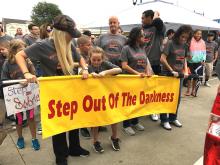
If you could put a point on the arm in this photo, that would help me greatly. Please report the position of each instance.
(163, 60)
(20, 59)
(85, 72)
(126, 67)
(112, 71)
(148, 69)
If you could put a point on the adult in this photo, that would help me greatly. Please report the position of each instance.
(31, 38)
(56, 56)
(3, 36)
(112, 42)
(135, 61)
(174, 61)
(19, 33)
(211, 57)
(154, 32)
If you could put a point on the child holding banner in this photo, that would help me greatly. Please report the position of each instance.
(98, 67)
(134, 61)
(174, 61)
(11, 71)
(56, 57)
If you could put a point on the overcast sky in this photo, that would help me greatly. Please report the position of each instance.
(86, 11)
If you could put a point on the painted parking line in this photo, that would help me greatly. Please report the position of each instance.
(199, 162)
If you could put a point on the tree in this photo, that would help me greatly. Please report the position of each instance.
(44, 12)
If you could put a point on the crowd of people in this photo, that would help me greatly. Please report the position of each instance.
(60, 49)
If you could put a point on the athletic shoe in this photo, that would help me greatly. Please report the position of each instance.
(166, 125)
(20, 143)
(176, 123)
(129, 131)
(139, 127)
(97, 147)
(115, 143)
(85, 133)
(35, 144)
(207, 84)
(154, 117)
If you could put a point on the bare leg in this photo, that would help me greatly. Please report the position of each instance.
(193, 87)
(188, 88)
(114, 131)
(19, 130)
(95, 134)
(32, 126)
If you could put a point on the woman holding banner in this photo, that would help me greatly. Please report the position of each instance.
(135, 61)
(56, 56)
(174, 61)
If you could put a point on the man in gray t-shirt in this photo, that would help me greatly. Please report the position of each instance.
(211, 57)
(31, 38)
(112, 42)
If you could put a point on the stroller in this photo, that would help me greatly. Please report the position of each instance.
(197, 75)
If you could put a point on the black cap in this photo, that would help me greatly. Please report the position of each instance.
(67, 24)
(87, 33)
(211, 34)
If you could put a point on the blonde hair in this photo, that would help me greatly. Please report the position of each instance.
(96, 49)
(63, 49)
(15, 46)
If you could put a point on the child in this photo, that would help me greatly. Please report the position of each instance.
(197, 50)
(12, 71)
(99, 68)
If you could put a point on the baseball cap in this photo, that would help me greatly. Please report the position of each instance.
(211, 34)
(87, 33)
(67, 24)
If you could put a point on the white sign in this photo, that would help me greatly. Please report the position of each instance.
(20, 98)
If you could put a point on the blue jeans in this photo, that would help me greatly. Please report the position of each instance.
(128, 123)
(170, 117)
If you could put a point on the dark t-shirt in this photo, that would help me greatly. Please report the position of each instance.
(176, 54)
(211, 49)
(136, 58)
(112, 44)
(29, 40)
(105, 65)
(153, 36)
(45, 52)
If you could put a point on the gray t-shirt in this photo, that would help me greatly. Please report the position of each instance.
(105, 65)
(5, 38)
(112, 44)
(45, 52)
(136, 58)
(176, 54)
(29, 40)
(211, 49)
(153, 42)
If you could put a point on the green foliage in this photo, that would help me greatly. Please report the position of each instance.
(44, 12)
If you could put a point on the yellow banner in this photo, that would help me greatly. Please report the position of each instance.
(68, 102)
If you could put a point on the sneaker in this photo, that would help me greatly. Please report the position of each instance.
(35, 144)
(207, 84)
(115, 143)
(166, 125)
(20, 143)
(154, 117)
(97, 147)
(139, 127)
(61, 162)
(85, 133)
(79, 152)
(129, 131)
(176, 123)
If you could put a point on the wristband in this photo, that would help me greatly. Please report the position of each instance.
(25, 73)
